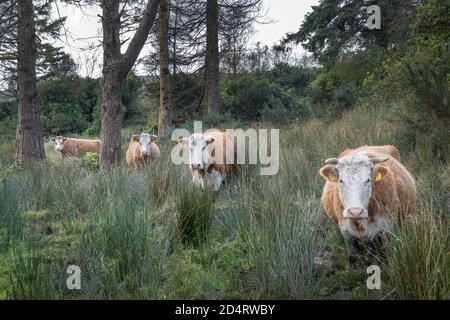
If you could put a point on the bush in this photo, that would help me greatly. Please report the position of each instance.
(90, 161)
(63, 118)
(185, 93)
(344, 97)
(247, 97)
(426, 112)
(216, 119)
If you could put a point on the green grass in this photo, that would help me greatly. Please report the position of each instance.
(150, 235)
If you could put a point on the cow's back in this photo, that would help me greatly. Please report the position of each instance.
(405, 185)
(79, 147)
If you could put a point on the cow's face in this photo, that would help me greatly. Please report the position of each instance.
(59, 142)
(144, 140)
(355, 176)
(198, 152)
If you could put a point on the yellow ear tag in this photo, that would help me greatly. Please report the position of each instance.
(332, 178)
(379, 177)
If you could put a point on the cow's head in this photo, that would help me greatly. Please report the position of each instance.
(144, 140)
(355, 176)
(197, 147)
(59, 142)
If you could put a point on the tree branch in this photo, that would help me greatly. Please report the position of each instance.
(139, 38)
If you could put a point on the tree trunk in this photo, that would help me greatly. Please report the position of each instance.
(112, 86)
(212, 58)
(29, 135)
(174, 42)
(115, 68)
(164, 91)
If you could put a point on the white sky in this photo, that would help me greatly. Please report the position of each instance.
(84, 28)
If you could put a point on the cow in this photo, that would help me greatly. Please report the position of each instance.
(70, 147)
(211, 156)
(366, 191)
(141, 149)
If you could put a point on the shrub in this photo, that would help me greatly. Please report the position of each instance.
(217, 120)
(63, 118)
(344, 97)
(426, 111)
(275, 112)
(90, 161)
(247, 97)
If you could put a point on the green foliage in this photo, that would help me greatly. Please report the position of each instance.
(335, 27)
(288, 76)
(220, 120)
(216, 271)
(246, 97)
(185, 97)
(30, 277)
(8, 152)
(63, 118)
(427, 110)
(90, 161)
(132, 96)
(10, 218)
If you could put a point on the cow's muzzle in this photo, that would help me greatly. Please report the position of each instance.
(355, 213)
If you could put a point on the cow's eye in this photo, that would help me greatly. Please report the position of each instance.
(368, 180)
(340, 181)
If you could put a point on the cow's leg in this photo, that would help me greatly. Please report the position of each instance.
(217, 179)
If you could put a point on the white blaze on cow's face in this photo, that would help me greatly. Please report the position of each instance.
(354, 175)
(145, 140)
(198, 152)
(59, 142)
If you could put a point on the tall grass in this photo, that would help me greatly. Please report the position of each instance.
(149, 234)
(195, 211)
(417, 258)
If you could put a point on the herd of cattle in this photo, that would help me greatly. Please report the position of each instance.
(366, 190)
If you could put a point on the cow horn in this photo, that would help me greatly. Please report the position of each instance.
(332, 161)
(379, 160)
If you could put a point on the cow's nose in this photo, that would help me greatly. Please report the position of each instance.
(196, 166)
(355, 213)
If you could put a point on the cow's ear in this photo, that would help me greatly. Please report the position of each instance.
(64, 139)
(52, 139)
(153, 138)
(183, 140)
(379, 173)
(136, 137)
(330, 172)
(209, 139)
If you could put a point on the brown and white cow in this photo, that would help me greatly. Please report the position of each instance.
(211, 156)
(70, 147)
(141, 149)
(366, 190)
